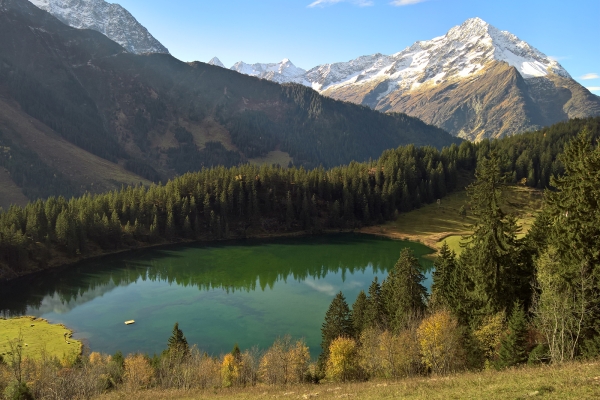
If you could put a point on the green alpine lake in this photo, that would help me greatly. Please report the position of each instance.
(247, 292)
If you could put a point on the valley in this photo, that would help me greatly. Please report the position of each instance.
(421, 224)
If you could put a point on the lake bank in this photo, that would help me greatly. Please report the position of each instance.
(249, 291)
(39, 336)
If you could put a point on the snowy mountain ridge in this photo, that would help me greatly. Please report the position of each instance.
(112, 20)
(465, 50)
(475, 82)
(281, 72)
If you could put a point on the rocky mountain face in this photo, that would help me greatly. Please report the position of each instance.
(476, 82)
(112, 20)
(78, 113)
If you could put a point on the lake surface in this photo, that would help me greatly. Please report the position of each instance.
(247, 292)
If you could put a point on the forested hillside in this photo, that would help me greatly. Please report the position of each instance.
(504, 302)
(157, 117)
(221, 203)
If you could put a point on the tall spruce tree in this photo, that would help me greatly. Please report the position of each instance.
(492, 252)
(375, 313)
(513, 347)
(404, 295)
(177, 344)
(446, 289)
(574, 221)
(359, 313)
(338, 323)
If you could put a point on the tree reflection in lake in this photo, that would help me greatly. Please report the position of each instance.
(228, 279)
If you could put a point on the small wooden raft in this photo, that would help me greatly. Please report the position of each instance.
(130, 322)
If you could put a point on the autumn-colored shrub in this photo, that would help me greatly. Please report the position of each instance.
(285, 362)
(138, 372)
(440, 342)
(369, 357)
(343, 364)
(489, 335)
(399, 353)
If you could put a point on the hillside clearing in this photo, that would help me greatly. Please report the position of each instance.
(433, 223)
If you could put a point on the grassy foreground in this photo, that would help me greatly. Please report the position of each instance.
(433, 224)
(38, 335)
(569, 381)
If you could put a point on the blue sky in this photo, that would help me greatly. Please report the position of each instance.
(313, 32)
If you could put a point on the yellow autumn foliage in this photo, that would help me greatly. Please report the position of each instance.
(387, 355)
(342, 364)
(490, 334)
(285, 362)
(440, 343)
(230, 370)
(138, 372)
(98, 359)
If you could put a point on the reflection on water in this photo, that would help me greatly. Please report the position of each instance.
(247, 292)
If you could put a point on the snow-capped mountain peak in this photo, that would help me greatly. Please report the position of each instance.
(281, 72)
(217, 62)
(112, 20)
(466, 81)
(464, 50)
(506, 47)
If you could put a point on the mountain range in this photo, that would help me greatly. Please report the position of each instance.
(476, 82)
(109, 19)
(79, 113)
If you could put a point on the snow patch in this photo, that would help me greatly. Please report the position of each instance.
(464, 51)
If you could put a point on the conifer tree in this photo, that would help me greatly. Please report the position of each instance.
(491, 253)
(338, 323)
(359, 313)
(513, 348)
(177, 344)
(403, 292)
(447, 290)
(573, 223)
(375, 314)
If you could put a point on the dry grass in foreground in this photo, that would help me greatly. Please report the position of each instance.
(569, 381)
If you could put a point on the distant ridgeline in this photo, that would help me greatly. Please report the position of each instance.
(243, 201)
(155, 117)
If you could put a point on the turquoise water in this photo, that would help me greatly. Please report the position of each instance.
(246, 292)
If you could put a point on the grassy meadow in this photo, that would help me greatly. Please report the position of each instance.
(38, 335)
(435, 223)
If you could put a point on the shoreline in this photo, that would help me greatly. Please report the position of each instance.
(63, 262)
(33, 320)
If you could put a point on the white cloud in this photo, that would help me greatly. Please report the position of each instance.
(591, 75)
(322, 287)
(593, 88)
(323, 3)
(406, 2)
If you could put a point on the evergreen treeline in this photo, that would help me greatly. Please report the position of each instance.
(237, 202)
(226, 203)
(503, 302)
